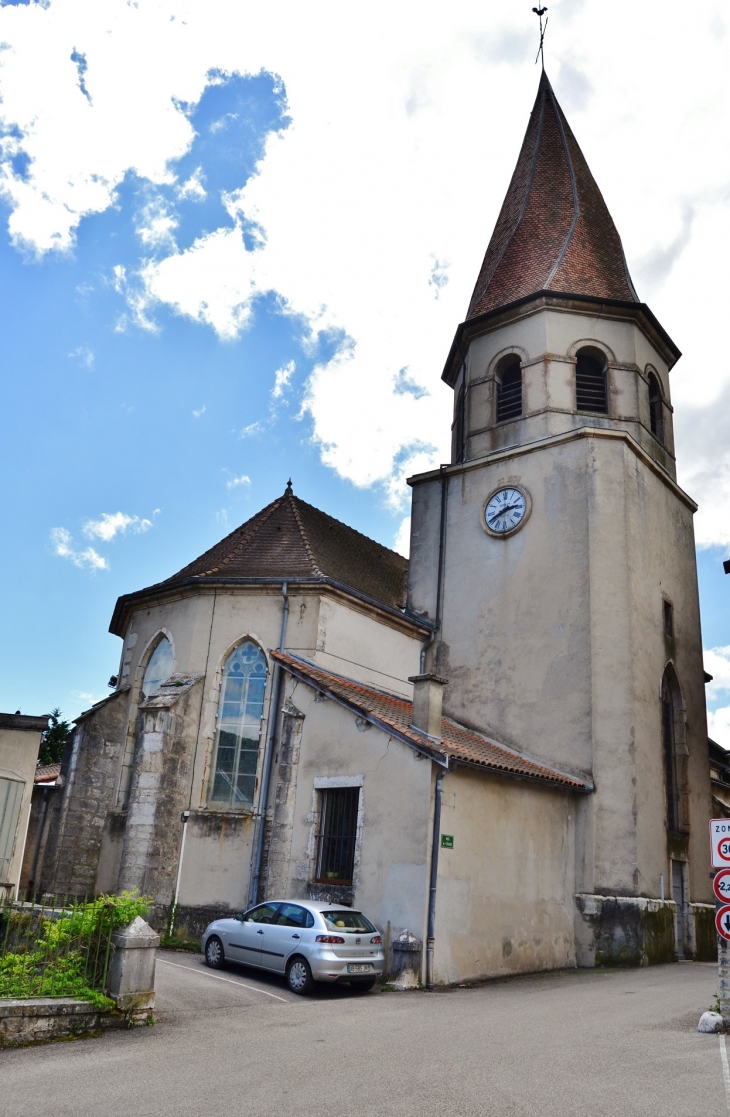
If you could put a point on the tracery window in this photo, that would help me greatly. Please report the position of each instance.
(656, 408)
(591, 389)
(509, 391)
(240, 711)
(159, 668)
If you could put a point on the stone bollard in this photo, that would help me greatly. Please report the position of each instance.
(131, 977)
(407, 958)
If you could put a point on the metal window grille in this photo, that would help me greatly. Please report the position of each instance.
(509, 393)
(336, 838)
(590, 385)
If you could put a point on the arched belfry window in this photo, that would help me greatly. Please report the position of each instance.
(240, 711)
(675, 753)
(591, 389)
(159, 668)
(509, 389)
(656, 408)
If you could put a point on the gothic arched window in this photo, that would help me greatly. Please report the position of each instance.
(509, 390)
(656, 408)
(675, 753)
(240, 711)
(159, 668)
(591, 389)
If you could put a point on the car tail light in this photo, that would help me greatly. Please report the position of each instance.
(376, 938)
(329, 938)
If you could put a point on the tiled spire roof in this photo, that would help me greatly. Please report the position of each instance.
(554, 232)
(291, 539)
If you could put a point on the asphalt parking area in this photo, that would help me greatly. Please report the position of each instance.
(609, 1044)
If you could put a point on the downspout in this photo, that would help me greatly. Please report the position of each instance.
(38, 838)
(430, 934)
(268, 758)
(171, 921)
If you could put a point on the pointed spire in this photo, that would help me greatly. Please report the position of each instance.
(554, 232)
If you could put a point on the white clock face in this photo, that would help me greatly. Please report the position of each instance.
(505, 511)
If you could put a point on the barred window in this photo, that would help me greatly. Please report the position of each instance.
(591, 392)
(240, 711)
(509, 391)
(336, 838)
(656, 408)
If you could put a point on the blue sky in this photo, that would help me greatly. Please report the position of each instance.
(234, 249)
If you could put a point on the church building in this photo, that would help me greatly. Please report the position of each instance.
(499, 745)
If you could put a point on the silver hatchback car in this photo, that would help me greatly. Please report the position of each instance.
(306, 941)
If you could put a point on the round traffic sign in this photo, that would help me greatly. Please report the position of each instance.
(723, 849)
(721, 886)
(722, 921)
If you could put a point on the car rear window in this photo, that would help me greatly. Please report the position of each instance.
(347, 921)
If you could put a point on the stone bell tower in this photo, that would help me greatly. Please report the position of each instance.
(556, 551)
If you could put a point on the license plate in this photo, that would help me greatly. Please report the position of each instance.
(359, 968)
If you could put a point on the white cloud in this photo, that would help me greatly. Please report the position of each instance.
(282, 376)
(84, 356)
(87, 559)
(717, 664)
(251, 430)
(199, 412)
(402, 542)
(235, 482)
(114, 523)
(368, 229)
(718, 726)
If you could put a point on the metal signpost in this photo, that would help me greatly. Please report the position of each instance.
(720, 850)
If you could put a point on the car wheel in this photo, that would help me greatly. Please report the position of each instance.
(299, 977)
(362, 986)
(214, 955)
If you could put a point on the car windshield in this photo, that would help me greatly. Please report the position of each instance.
(347, 921)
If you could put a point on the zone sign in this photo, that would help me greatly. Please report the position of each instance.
(720, 842)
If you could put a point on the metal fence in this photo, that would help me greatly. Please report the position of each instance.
(57, 946)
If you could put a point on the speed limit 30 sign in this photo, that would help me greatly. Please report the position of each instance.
(720, 842)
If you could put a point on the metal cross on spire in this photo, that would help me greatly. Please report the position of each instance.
(540, 12)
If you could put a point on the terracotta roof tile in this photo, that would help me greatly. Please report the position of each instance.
(292, 539)
(47, 773)
(554, 232)
(393, 713)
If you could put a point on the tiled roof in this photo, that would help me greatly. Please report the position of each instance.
(554, 232)
(394, 714)
(292, 539)
(47, 773)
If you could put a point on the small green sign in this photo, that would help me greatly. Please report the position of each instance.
(447, 841)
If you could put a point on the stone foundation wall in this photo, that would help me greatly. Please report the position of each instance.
(624, 931)
(44, 1019)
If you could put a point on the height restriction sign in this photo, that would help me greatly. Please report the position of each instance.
(721, 886)
(720, 842)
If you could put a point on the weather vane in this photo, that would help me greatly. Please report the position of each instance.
(540, 12)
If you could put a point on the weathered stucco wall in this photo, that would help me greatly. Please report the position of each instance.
(390, 881)
(505, 891)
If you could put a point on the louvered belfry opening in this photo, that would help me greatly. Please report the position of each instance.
(656, 410)
(509, 392)
(336, 838)
(591, 393)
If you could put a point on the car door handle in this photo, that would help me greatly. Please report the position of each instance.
(296, 936)
(259, 932)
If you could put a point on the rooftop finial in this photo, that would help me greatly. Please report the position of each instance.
(540, 12)
(288, 487)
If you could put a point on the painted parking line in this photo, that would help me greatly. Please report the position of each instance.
(725, 1070)
(217, 977)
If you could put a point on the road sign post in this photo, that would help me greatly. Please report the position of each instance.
(720, 849)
